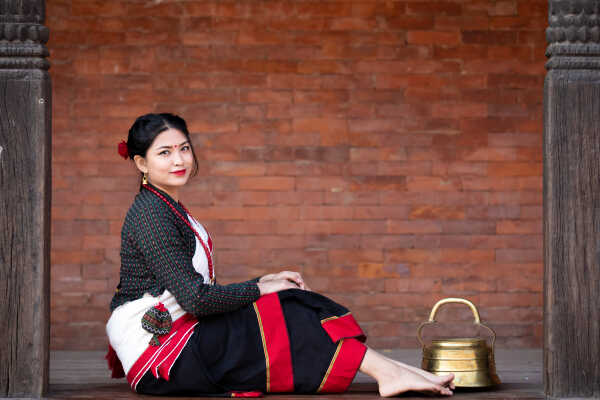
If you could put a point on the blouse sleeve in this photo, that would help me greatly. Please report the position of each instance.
(165, 253)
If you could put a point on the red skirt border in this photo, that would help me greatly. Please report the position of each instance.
(343, 327)
(276, 344)
(343, 367)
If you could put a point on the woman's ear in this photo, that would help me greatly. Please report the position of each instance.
(140, 163)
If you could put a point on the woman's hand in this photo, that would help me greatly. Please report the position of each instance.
(291, 276)
(275, 285)
(281, 281)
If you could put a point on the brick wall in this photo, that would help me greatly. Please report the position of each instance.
(389, 149)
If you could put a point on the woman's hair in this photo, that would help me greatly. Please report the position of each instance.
(147, 127)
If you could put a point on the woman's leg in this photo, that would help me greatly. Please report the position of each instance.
(394, 377)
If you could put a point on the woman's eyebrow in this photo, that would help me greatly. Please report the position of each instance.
(177, 145)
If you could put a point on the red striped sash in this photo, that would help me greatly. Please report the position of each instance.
(160, 359)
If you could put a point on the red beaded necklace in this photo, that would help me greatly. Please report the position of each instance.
(207, 251)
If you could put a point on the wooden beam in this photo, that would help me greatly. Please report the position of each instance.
(572, 201)
(25, 190)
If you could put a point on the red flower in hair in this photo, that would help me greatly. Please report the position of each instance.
(123, 152)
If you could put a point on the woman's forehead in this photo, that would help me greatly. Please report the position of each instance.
(171, 137)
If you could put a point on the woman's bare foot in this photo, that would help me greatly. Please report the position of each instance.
(444, 380)
(403, 380)
(394, 377)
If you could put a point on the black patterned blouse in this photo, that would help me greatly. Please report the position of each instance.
(156, 254)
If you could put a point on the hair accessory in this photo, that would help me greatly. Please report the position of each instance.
(123, 151)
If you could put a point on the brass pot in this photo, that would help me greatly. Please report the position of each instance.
(471, 360)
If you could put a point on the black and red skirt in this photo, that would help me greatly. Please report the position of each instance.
(290, 341)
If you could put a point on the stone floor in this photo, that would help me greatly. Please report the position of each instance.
(83, 375)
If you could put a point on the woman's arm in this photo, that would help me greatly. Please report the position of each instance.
(166, 254)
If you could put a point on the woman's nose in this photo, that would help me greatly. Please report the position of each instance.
(177, 158)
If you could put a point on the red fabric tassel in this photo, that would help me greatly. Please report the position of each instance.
(160, 307)
(114, 364)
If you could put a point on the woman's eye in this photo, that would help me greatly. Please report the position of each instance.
(164, 153)
(185, 148)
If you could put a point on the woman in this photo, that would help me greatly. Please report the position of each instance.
(175, 330)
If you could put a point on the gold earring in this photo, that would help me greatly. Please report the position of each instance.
(144, 179)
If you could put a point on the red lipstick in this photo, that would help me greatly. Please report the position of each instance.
(180, 172)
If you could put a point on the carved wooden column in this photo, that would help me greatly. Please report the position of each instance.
(572, 200)
(25, 191)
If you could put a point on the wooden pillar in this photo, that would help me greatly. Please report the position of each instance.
(25, 131)
(572, 201)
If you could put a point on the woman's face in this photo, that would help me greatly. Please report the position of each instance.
(168, 162)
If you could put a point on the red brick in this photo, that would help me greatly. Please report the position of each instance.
(98, 8)
(266, 183)
(321, 184)
(100, 271)
(494, 212)
(518, 256)
(435, 213)
(502, 53)
(524, 197)
(66, 272)
(515, 140)
(323, 67)
(435, 8)
(531, 212)
(325, 213)
(380, 212)
(511, 299)
(267, 96)
(74, 257)
(531, 8)
(515, 81)
(437, 256)
(503, 7)
(462, 23)
(413, 227)
(352, 24)
(400, 81)
(466, 226)
(517, 23)
(320, 9)
(468, 285)
(459, 168)
(515, 169)
(463, 52)
(320, 96)
(445, 38)
(352, 257)
(489, 37)
(199, 9)
(412, 285)
(356, 198)
(432, 184)
(379, 183)
(519, 227)
(410, 22)
(402, 168)
(331, 131)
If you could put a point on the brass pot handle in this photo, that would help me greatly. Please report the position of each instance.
(453, 300)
